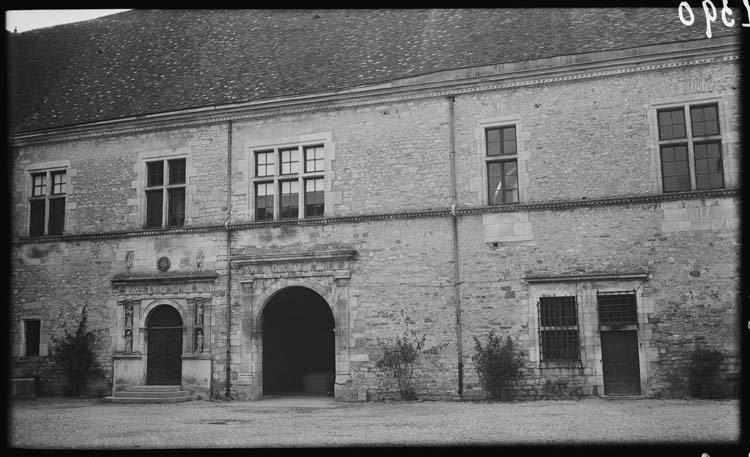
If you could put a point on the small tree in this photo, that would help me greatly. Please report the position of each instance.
(74, 353)
(703, 373)
(399, 356)
(497, 365)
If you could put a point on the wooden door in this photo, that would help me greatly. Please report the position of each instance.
(164, 366)
(620, 363)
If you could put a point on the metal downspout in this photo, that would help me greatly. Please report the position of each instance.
(454, 219)
(228, 382)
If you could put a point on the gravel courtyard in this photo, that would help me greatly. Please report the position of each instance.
(309, 421)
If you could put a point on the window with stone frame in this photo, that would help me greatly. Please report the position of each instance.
(165, 189)
(31, 335)
(296, 174)
(47, 202)
(501, 161)
(690, 147)
(558, 328)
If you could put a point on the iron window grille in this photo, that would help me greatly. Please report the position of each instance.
(558, 328)
(502, 165)
(165, 193)
(47, 203)
(690, 148)
(617, 308)
(299, 181)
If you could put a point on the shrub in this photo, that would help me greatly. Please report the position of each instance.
(74, 354)
(703, 373)
(399, 356)
(498, 366)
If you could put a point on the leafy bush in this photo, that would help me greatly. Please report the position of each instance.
(498, 366)
(703, 373)
(74, 354)
(399, 356)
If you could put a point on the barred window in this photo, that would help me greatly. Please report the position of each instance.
(617, 308)
(558, 328)
(298, 181)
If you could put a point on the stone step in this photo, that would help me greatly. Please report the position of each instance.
(149, 400)
(147, 394)
(153, 388)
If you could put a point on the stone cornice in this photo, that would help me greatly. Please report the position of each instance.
(542, 206)
(440, 84)
(310, 256)
(587, 277)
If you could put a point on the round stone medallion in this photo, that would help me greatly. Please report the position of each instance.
(163, 264)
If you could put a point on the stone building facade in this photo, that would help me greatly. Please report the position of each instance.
(583, 202)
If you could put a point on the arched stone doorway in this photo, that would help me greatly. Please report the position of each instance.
(164, 333)
(298, 343)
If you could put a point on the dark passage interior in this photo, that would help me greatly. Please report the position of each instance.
(298, 343)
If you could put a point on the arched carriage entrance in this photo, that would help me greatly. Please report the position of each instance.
(298, 343)
(164, 332)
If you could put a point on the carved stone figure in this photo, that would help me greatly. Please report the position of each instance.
(129, 259)
(199, 341)
(198, 312)
(199, 259)
(128, 340)
(129, 314)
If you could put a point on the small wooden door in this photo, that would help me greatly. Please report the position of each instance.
(164, 366)
(620, 363)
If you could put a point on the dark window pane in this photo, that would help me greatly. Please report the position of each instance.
(494, 182)
(708, 168)
(289, 200)
(264, 201)
(155, 173)
(675, 170)
(32, 335)
(154, 205)
(176, 207)
(705, 120)
(38, 188)
(177, 171)
(314, 198)
(558, 321)
(671, 124)
(36, 221)
(56, 216)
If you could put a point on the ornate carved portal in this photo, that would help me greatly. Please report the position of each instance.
(264, 278)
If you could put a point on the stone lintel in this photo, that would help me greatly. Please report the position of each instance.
(311, 256)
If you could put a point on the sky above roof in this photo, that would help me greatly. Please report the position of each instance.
(24, 20)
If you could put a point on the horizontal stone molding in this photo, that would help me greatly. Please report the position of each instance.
(294, 257)
(542, 206)
(127, 355)
(164, 278)
(587, 277)
(438, 84)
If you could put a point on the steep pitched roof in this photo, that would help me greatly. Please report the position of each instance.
(150, 61)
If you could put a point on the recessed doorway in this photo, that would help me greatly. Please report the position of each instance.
(298, 344)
